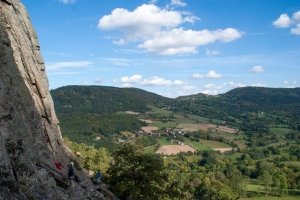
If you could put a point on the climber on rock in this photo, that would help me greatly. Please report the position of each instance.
(58, 165)
(71, 174)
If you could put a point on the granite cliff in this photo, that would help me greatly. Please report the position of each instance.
(29, 129)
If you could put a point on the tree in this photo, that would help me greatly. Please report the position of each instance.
(135, 176)
(266, 179)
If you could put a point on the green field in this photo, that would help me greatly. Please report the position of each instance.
(159, 111)
(164, 141)
(160, 124)
(149, 149)
(280, 131)
(126, 133)
(199, 146)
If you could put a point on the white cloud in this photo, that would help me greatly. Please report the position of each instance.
(210, 92)
(296, 30)
(296, 16)
(118, 61)
(257, 69)
(178, 3)
(283, 21)
(259, 85)
(157, 30)
(85, 83)
(67, 1)
(213, 52)
(59, 65)
(285, 82)
(98, 80)
(189, 87)
(180, 41)
(236, 84)
(294, 82)
(155, 80)
(144, 21)
(197, 76)
(210, 85)
(125, 85)
(133, 79)
(212, 74)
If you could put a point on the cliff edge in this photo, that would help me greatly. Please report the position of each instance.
(29, 130)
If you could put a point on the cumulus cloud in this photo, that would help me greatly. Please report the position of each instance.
(257, 69)
(294, 82)
(67, 1)
(157, 30)
(180, 41)
(178, 3)
(98, 80)
(211, 74)
(144, 21)
(285, 82)
(197, 76)
(59, 65)
(296, 30)
(213, 52)
(259, 85)
(236, 84)
(284, 21)
(85, 83)
(133, 79)
(157, 81)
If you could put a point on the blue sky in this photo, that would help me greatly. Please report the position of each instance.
(169, 47)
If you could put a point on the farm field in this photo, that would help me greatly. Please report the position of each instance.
(191, 127)
(174, 149)
(214, 144)
(160, 124)
(280, 131)
(164, 141)
(148, 129)
(199, 146)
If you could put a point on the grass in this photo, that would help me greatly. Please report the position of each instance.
(280, 131)
(149, 149)
(126, 133)
(214, 144)
(160, 124)
(199, 146)
(164, 141)
(159, 111)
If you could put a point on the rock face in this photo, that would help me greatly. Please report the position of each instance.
(29, 130)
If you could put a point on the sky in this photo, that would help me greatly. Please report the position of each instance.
(169, 47)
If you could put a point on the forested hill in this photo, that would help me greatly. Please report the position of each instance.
(102, 99)
(284, 101)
